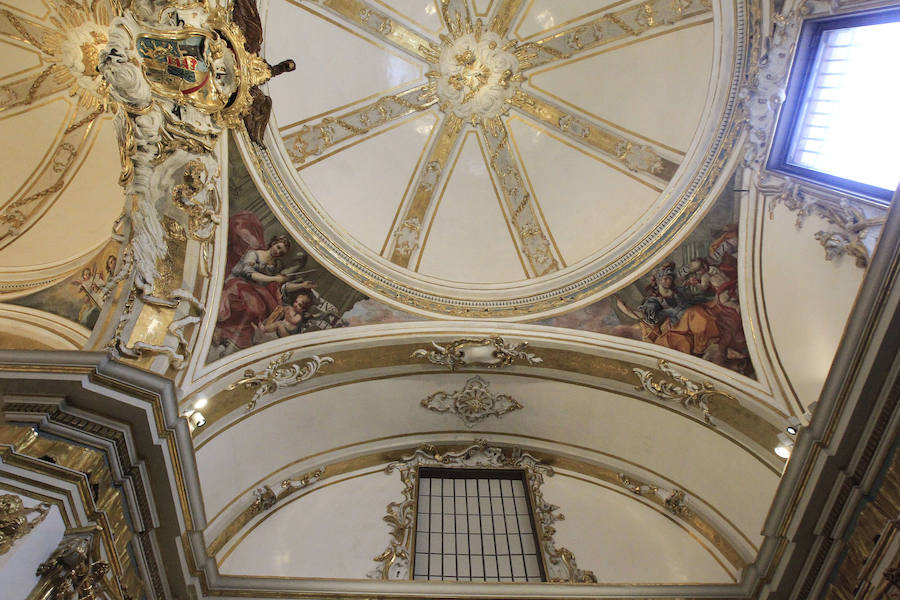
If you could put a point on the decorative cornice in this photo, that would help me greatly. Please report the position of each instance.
(473, 403)
(492, 352)
(678, 388)
(560, 563)
(276, 376)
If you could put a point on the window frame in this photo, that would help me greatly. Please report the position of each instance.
(490, 473)
(798, 84)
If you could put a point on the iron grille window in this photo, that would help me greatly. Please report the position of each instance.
(475, 525)
(839, 123)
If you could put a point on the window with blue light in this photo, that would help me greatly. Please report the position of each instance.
(840, 124)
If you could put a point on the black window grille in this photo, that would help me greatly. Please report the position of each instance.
(475, 525)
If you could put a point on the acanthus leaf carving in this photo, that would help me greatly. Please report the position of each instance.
(278, 374)
(492, 352)
(675, 387)
(850, 225)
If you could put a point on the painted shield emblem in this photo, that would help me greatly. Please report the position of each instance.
(180, 67)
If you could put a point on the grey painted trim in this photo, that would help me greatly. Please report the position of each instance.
(855, 393)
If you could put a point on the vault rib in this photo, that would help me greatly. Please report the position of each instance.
(610, 27)
(406, 233)
(531, 234)
(503, 15)
(38, 83)
(365, 16)
(649, 162)
(313, 139)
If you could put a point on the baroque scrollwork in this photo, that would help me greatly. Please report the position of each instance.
(14, 523)
(473, 403)
(305, 480)
(849, 224)
(407, 233)
(278, 374)
(74, 570)
(492, 352)
(395, 560)
(675, 387)
(180, 73)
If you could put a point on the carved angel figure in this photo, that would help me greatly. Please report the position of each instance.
(246, 16)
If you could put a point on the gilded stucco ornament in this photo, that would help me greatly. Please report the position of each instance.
(180, 73)
(560, 563)
(74, 570)
(761, 99)
(675, 501)
(265, 498)
(675, 387)
(14, 523)
(492, 352)
(850, 226)
(278, 374)
(68, 43)
(473, 403)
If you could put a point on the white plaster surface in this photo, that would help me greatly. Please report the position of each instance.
(621, 539)
(656, 87)
(694, 457)
(334, 531)
(807, 300)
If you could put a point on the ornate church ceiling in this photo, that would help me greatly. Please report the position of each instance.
(451, 171)
(538, 223)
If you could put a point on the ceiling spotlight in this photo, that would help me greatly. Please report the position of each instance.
(791, 430)
(196, 419)
(783, 451)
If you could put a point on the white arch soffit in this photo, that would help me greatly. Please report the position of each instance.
(49, 330)
(358, 419)
(743, 540)
(211, 379)
(660, 530)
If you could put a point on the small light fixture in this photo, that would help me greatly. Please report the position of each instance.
(785, 446)
(783, 451)
(793, 425)
(197, 419)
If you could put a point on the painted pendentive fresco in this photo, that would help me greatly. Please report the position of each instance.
(689, 302)
(78, 298)
(273, 288)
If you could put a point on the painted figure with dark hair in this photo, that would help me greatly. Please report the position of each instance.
(261, 299)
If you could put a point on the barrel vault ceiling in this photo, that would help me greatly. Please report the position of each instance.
(484, 196)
